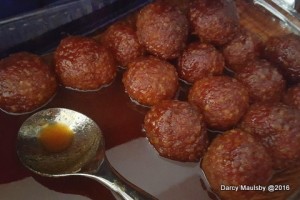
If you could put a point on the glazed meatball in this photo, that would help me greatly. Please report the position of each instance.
(264, 82)
(278, 128)
(222, 100)
(176, 130)
(244, 47)
(182, 5)
(150, 80)
(121, 38)
(292, 96)
(162, 29)
(198, 61)
(26, 83)
(215, 21)
(83, 64)
(235, 158)
(284, 51)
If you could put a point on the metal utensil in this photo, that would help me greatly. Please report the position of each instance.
(84, 157)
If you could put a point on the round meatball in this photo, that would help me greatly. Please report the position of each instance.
(244, 47)
(26, 83)
(264, 82)
(162, 29)
(235, 158)
(83, 64)
(198, 61)
(121, 38)
(176, 130)
(150, 80)
(222, 100)
(278, 128)
(215, 21)
(181, 5)
(284, 51)
(292, 96)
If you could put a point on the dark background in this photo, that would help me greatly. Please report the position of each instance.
(10, 8)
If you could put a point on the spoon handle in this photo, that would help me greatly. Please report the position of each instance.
(110, 178)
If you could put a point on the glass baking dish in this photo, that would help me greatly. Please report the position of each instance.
(40, 29)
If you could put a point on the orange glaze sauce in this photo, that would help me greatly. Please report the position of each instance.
(56, 138)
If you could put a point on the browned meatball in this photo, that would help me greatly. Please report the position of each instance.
(182, 5)
(163, 29)
(176, 130)
(292, 96)
(82, 63)
(284, 51)
(235, 158)
(26, 83)
(215, 21)
(222, 100)
(198, 61)
(264, 82)
(244, 47)
(150, 80)
(278, 128)
(121, 38)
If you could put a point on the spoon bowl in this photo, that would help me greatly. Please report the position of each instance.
(84, 154)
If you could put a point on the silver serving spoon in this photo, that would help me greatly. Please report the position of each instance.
(85, 156)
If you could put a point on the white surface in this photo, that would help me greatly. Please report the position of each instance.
(28, 188)
(163, 178)
(140, 164)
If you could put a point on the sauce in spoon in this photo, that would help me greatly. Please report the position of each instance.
(56, 137)
(76, 147)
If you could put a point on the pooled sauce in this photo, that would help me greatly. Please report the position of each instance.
(56, 138)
